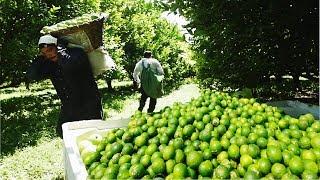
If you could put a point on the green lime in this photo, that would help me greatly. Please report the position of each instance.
(278, 170)
(308, 175)
(140, 140)
(111, 172)
(223, 155)
(127, 149)
(137, 170)
(262, 142)
(170, 165)
(205, 135)
(264, 165)
(253, 150)
(315, 141)
(158, 166)
(199, 125)
(225, 143)
(311, 166)
(206, 169)
(296, 165)
(194, 158)
(151, 149)
(124, 167)
(154, 140)
(145, 160)
(221, 172)
(135, 158)
(246, 160)
(141, 151)
(308, 154)
(207, 154)
(179, 156)
(116, 147)
(152, 131)
(252, 138)
(215, 146)
(234, 151)
(241, 140)
(206, 119)
(251, 175)
(156, 155)
(188, 130)
(164, 139)
(294, 149)
(191, 173)
(180, 171)
(244, 149)
(274, 154)
(287, 155)
(124, 159)
(168, 152)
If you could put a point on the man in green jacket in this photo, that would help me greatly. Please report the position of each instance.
(146, 62)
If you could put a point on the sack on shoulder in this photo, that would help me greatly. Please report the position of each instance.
(100, 61)
(151, 82)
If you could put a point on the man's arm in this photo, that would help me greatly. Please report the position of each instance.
(136, 72)
(38, 70)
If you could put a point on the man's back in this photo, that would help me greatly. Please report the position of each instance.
(144, 63)
(71, 76)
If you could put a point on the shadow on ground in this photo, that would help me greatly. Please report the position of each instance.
(26, 119)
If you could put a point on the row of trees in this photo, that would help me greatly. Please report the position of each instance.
(244, 43)
(133, 26)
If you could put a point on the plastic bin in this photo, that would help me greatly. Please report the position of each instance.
(296, 108)
(76, 131)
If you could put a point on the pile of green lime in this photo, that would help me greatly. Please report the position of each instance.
(214, 136)
(84, 19)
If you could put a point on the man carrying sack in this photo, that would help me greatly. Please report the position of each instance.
(71, 75)
(151, 74)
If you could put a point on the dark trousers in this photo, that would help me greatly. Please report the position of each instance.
(143, 99)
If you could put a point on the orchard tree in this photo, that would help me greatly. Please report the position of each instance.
(243, 43)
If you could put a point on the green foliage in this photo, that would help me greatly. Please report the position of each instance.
(243, 43)
(21, 22)
(136, 26)
(132, 27)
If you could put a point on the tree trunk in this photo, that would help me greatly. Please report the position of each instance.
(296, 82)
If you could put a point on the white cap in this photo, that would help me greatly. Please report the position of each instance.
(47, 39)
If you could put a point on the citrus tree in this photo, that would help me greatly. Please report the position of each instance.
(243, 43)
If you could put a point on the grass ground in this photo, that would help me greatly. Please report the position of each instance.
(30, 148)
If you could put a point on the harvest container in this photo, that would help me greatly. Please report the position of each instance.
(74, 132)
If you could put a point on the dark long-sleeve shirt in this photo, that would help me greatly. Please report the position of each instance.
(73, 80)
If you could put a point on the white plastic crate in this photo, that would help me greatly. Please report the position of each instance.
(76, 131)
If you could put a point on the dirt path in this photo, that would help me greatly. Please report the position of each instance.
(184, 94)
